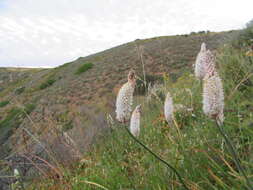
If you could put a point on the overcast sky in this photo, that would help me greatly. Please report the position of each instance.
(48, 33)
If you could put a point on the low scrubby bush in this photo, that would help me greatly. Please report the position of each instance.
(84, 67)
(47, 83)
(140, 88)
(19, 90)
(4, 103)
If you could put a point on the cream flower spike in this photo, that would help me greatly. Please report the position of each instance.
(168, 108)
(203, 47)
(198, 63)
(213, 97)
(135, 121)
(16, 173)
(204, 59)
(209, 63)
(125, 99)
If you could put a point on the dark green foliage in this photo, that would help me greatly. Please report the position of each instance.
(201, 32)
(84, 67)
(12, 115)
(19, 90)
(150, 79)
(11, 121)
(4, 103)
(67, 126)
(29, 108)
(250, 23)
(245, 37)
(47, 83)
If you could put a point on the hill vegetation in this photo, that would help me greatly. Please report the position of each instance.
(77, 106)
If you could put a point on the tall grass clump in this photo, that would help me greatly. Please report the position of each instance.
(4, 103)
(83, 68)
(19, 90)
(47, 83)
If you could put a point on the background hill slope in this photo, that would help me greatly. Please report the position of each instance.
(74, 98)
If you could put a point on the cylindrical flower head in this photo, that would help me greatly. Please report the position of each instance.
(198, 63)
(135, 121)
(213, 97)
(125, 99)
(168, 108)
(209, 62)
(204, 59)
(16, 173)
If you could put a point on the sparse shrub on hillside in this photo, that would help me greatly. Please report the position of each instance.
(245, 37)
(155, 91)
(84, 67)
(10, 122)
(150, 79)
(4, 103)
(14, 118)
(47, 83)
(236, 70)
(250, 23)
(29, 108)
(67, 126)
(202, 32)
(19, 90)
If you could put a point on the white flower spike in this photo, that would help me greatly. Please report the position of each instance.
(213, 97)
(125, 99)
(135, 121)
(16, 172)
(204, 60)
(168, 108)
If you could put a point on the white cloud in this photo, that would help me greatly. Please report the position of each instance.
(49, 33)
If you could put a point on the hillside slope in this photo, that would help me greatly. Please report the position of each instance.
(72, 101)
(193, 146)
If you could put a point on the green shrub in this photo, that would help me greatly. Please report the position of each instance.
(150, 79)
(11, 116)
(4, 103)
(67, 126)
(29, 108)
(13, 120)
(19, 90)
(83, 68)
(245, 37)
(47, 83)
(10, 122)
